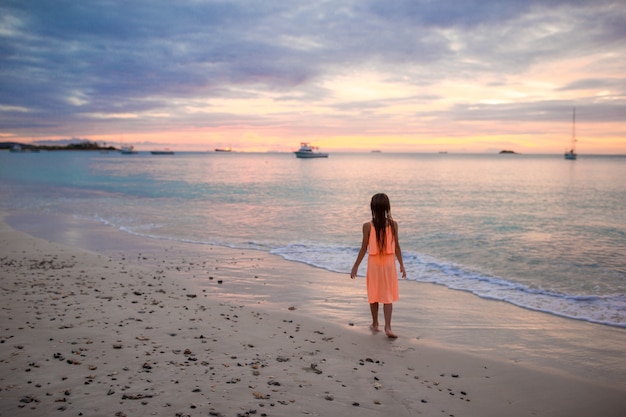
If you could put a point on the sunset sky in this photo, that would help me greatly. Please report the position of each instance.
(394, 75)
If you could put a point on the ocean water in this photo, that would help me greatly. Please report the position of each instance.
(535, 231)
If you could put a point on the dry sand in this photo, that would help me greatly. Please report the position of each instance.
(87, 334)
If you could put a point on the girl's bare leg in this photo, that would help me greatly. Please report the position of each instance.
(388, 309)
(374, 310)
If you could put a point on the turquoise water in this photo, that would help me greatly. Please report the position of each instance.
(535, 231)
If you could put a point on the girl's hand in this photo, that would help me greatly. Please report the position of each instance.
(353, 273)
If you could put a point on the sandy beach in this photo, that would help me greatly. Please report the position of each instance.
(161, 333)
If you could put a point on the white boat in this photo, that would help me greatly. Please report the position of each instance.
(308, 151)
(571, 154)
(223, 149)
(128, 150)
(21, 149)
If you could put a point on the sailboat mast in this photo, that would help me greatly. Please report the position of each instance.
(574, 126)
(571, 153)
(573, 147)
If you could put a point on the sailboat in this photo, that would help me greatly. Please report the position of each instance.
(571, 154)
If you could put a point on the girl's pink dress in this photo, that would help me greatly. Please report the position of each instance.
(382, 277)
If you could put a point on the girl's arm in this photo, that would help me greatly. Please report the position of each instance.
(398, 250)
(364, 243)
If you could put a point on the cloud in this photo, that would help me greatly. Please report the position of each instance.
(618, 84)
(63, 62)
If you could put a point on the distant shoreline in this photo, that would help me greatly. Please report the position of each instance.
(79, 146)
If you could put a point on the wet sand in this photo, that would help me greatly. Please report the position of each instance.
(165, 330)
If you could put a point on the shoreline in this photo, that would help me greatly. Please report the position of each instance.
(154, 332)
(428, 312)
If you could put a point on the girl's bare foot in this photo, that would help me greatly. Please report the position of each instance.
(390, 334)
(374, 328)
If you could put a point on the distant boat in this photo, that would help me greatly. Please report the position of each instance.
(128, 150)
(571, 154)
(308, 151)
(223, 149)
(163, 152)
(376, 151)
(21, 149)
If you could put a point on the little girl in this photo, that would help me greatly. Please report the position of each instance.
(381, 236)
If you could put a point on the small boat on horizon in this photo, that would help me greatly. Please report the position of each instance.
(571, 154)
(308, 151)
(128, 150)
(163, 152)
(23, 149)
(228, 149)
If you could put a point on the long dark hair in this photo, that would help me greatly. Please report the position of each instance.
(380, 217)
